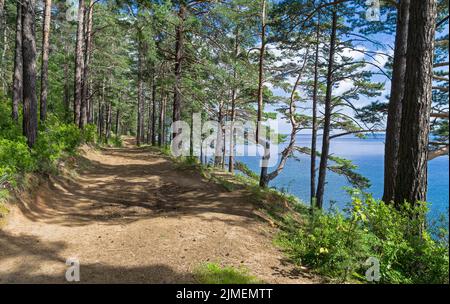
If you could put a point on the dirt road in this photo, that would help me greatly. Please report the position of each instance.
(129, 216)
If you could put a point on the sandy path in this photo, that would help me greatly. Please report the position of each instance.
(132, 217)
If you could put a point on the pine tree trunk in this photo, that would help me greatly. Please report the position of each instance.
(223, 149)
(79, 64)
(262, 52)
(2, 17)
(263, 181)
(30, 120)
(327, 119)
(140, 114)
(18, 67)
(101, 118)
(232, 139)
(90, 103)
(154, 112)
(162, 119)
(314, 118)
(101, 103)
(233, 104)
(2, 6)
(116, 130)
(179, 53)
(395, 102)
(109, 121)
(219, 144)
(87, 57)
(149, 117)
(4, 38)
(66, 97)
(45, 51)
(411, 184)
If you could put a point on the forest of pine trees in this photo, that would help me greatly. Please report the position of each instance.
(130, 68)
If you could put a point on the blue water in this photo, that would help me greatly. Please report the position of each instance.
(368, 155)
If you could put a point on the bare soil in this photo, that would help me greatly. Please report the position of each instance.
(130, 216)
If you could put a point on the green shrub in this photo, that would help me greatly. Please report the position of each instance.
(117, 141)
(338, 244)
(330, 243)
(54, 141)
(8, 128)
(89, 134)
(15, 157)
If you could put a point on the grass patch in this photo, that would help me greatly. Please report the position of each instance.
(212, 273)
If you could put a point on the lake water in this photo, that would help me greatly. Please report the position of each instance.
(368, 155)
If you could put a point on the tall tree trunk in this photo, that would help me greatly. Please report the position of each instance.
(109, 121)
(327, 120)
(162, 119)
(116, 129)
(79, 64)
(4, 38)
(263, 182)
(140, 114)
(101, 119)
(314, 118)
(66, 98)
(411, 184)
(219, 144)
(233, 103)
(18, 66)
(101, 103)
(100, 112)
(90, 103)
(154, 111)
(2, 17)
(179, 50)
(262, 52)
(2, 11)
(45, 51)
(191, 134)
(30, 121)
(224, 150)
(151, 108)
(149, 117)
(395, 102)
(87, 57)
(232, 134)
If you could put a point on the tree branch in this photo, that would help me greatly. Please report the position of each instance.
(355, 132)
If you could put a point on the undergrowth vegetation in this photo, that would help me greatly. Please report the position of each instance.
(343, 245)
(56, 141)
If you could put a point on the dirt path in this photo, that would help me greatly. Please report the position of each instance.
(132, 217)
